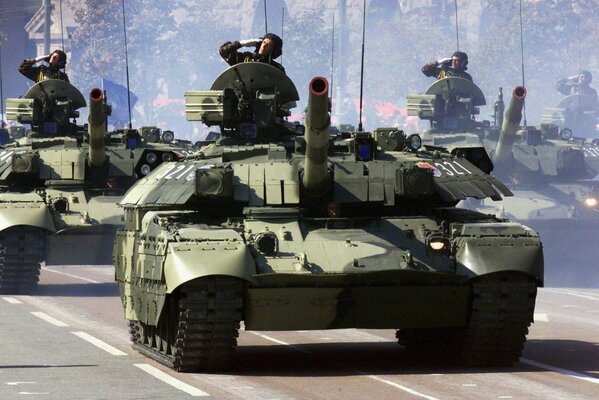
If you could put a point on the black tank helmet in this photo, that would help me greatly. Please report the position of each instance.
(587, 76)
(462, 56)
(62, 58)
(277, 44)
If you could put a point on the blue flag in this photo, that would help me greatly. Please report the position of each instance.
(117, 98)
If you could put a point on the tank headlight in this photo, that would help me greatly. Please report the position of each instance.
(151, 158)
(591, 202)
(565, 133)
(168, 136)
(415, 142)
(436, 242)
(166, 157)
(145, 169)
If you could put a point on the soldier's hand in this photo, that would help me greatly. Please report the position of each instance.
(250, 42)
(42, 58)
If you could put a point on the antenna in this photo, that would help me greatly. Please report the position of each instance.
(457, 36)
(579, 45)
(362, 66)
(522, 58)
(282, 28)
(332, 56)
(265, 19)
(127, 65)
(61, 27)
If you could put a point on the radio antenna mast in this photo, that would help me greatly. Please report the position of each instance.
(127, 65)
(457, 36)
(362, 66)
(522, 58)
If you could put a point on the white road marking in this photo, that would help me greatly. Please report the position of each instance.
(280, 342)
(12, 300)
(33, 393)
(19, 383)
(541, 317)
(573, 374)
(374, 377)
(71, 275)
(404, 388)
(48, 318)
(575, 294)
(98, 343)
(166, 378)
(469, 384)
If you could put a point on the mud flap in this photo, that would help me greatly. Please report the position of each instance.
(90, 245)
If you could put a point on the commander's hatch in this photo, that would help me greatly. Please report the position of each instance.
(449, 103)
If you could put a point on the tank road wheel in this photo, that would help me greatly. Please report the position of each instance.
(502, 310)
(22, 249)
(198, 330)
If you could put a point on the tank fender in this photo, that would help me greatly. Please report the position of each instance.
(222, 254)
(496, 247)
(27, 214)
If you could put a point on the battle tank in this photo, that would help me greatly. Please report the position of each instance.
(60, 183)
(289, 228)
(550, 172)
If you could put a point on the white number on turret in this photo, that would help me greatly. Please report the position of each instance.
(452, 168)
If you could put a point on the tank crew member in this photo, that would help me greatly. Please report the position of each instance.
(455, 66)
(577, 84)
(268, 48)
(57, 61)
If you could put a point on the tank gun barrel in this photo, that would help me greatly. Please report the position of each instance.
(315, 178)
(96, 127)
(511, 124)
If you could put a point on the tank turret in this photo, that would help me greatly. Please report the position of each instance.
(97, 127)
(316, 175)
(511, 124)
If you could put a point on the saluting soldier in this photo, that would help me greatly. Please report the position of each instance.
(455, 66)
(56, 62)
(268, 48)
(577, 84)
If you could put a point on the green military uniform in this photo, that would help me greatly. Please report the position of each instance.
(441, 71)
(229, 53)
(42, 72)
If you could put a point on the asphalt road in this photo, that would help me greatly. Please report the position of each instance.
(69, 341)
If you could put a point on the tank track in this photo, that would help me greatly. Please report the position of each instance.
(502, 310)
(22, 249)
(197, 331)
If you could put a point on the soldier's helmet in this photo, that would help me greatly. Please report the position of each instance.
(588, 77)
(277, 44)
(463, 57)
(62, 58)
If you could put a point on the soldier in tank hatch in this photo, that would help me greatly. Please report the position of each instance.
(268, 48)
(455, 66)
(577, 84)
(57, 61)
